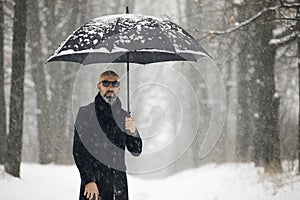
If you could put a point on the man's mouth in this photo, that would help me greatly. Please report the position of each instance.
(109, 92)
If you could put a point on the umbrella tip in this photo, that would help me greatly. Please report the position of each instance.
(127, 10)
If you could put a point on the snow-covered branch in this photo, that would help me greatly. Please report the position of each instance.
(284, 40)
(244, 23)
(285, 4)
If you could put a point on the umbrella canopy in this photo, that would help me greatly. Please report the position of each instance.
(131, 39)
(128, 38)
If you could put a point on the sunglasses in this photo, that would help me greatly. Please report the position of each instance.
(114, 84)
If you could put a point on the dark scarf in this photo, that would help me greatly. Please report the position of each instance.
(111, 119)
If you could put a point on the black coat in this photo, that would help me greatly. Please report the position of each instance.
(99, 148)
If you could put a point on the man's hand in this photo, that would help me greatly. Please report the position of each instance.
(91, 190)
(130, 125)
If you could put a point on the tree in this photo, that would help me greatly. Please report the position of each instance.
(39, 78)
(14, 141)
(2, 95)
(297, 27)
(199, 84)
(62, 76)
(200, 16)
(258, 122)
(287, 21)
(298, 44)
(288, 36)
(266, 139)
(247, 88)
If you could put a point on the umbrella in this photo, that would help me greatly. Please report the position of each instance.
(128, 38)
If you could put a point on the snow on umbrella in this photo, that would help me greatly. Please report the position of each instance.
(129, 38)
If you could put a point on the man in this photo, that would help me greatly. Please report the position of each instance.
(102, 131)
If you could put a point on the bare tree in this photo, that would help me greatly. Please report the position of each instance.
(263, 16)
(53, 16)
(62, 77)
(298, 54)
(3, 135)
(259, 106)
(266, 139)
(14, 141)
(39, 78)
(246, 89)
(202, 15)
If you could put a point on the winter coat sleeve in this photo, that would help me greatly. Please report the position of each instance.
(81, 157)
(134, 144)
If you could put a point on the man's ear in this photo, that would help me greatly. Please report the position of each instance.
(98, 86)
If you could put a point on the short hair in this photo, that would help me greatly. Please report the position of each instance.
(108, 73)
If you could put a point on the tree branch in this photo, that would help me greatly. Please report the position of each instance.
(244, 23)
(289, 4)
(284, 40)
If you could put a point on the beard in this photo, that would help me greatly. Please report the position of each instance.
(110, 99)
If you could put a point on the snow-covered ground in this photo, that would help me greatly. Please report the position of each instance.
(210, 182)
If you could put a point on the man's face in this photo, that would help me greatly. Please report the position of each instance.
(108, 93)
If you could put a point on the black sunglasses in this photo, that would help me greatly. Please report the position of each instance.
(106, 83)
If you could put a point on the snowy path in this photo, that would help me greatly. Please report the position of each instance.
(209, 182)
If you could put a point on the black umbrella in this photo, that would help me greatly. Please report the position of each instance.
(130, 39)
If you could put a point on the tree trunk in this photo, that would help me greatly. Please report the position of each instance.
(198, 17)
(38, 75)
(53, 73)
(63, 151)
(55, 13)
(62, 87)
(298, 55)
(14, 142)
(257, 95)
(3, 135)
(298, 44)
(247, 94)
(267, 139)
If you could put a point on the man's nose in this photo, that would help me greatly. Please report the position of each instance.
(110, 86)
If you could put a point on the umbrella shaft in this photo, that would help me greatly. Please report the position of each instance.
(128, 103)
